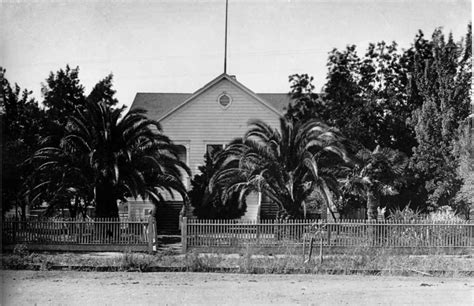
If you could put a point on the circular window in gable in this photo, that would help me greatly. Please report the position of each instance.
(224, 100)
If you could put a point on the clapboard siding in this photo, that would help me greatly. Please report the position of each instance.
(269, 210)
(203, 121)
(137, 208)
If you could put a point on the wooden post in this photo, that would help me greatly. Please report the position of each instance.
(78, 227)
(321, 248)
(184, 234)
(310, 248)
(257, 223)
(15, 229)
(304, 247)
(328, 228)
(151, 234)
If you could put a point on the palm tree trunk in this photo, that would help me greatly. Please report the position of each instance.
(372, 204)
(106, 203)
(73, 208)
(330, 206)
(259, 204)
(304, 209)
(106, 207)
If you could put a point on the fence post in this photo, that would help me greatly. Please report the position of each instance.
(151, 234)
(184, 234)
(321, 248)
(328, 229)
(15, 230)
(258, 230)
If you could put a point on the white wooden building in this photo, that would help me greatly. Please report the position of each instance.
(206, 120)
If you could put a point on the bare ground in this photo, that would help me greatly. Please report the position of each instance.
(122, 288)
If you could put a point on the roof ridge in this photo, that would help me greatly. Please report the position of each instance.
(163, 92)
(161, 104)
(169, 92)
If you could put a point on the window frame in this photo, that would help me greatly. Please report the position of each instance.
(219, 100)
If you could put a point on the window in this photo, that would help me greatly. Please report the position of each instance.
(213, 149)
(182, 153)
(224, 100)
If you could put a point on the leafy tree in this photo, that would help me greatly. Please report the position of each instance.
(375, 173)
(23, 124)
(465, 147)
(103, 92)
(207, 203)
(344, 107)
(465, 150)
(365, 97)
(286, 165)
(306, 103)
(444, 83)
(111, 159)
(383, 98)
(62, 94)
(385, 80)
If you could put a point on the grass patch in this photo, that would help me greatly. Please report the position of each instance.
(137, 261)
(249, 259)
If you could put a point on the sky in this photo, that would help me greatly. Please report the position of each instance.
(178, 46)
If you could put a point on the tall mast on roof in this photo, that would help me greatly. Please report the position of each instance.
(225, 44)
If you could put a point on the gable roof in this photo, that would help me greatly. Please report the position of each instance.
(161, 105)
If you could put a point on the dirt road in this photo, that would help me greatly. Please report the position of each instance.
(116, 288)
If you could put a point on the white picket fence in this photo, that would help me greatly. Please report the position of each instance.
(344, 233)
(100, 234)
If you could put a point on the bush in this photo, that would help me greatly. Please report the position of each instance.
(445, 214)
(134, 261)
(26, 261)
(194, 262)
(21, 250)
(405, 215)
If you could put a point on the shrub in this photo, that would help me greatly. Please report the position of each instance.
(445, 214)
(21, 250)
(135, 261)
(196, 263)
(405, 215)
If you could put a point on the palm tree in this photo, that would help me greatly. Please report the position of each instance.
(208, 202)
(286, 165)
(61, 180)
(237, 176)
(375, 173)
(111, 158)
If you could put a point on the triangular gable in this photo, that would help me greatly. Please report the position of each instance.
(214, 82)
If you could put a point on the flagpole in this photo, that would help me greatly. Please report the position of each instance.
(225, 47)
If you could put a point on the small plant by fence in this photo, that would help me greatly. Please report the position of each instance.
(342, 234)
(80, 235)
